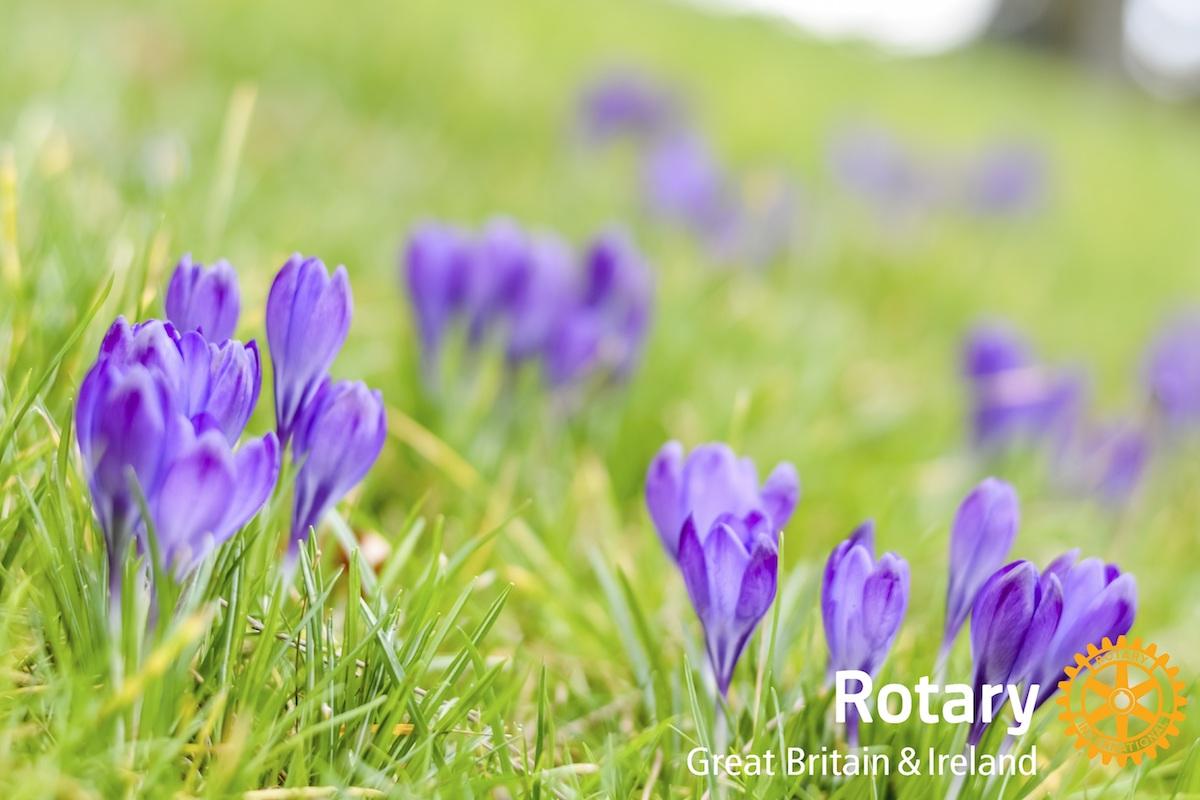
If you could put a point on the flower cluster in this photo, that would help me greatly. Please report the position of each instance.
(1004, 179)
(747, 218)
(576, 315)
(721, 527)
(161, 414)
(158, 421)
(1026, 624)
(1017, 400)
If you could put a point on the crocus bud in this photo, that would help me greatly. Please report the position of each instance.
(983, 533)
(337, 439)
(204, 299)
(1013, 621)
(862, 605)
(235, 377)
(541, 295)
(713, 482)
(862, 602)
(623, 102)
(683, 182)
(731, 580)
(1172, 371)
(308, 317)
(1098, 601)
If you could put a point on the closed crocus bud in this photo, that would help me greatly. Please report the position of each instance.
(862, 605)
(540, 296)
(731, 579)
(235, 377)
(983, 533)
(713, 482)
(336, 441)
(1172, 371)
(308, 317)
(204, 299)
(1013, 621)
(1099, 601)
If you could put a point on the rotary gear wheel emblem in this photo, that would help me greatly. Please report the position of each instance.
(1122, 701)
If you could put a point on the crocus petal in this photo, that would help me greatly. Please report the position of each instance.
(758, 583)
(256, 465)
(664, 481)
(203, 299)
(235, 380)
(193, 500)
(983, 533)
(694, 569)
(885, 600)
(716, 482)
(780, 494)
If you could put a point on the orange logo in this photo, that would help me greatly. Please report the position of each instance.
(1122, 701)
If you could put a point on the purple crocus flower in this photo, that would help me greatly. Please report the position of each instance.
(1013, 622)
(714, 484)
(308, 317)
(214, 385)
(1172, 371)
(604, 327)
(862, 605)
(1006, 179)
(438, 267)
(684, 182)
(983, 533)
(1099, 601)
(873, 165)
(625, 102)
(541, 295)
(198, 491)
(1013, 397)
(1106, 460)
(731, 579)
(204, 299)
(337, 438)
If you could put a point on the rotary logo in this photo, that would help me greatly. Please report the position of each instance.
(1122, 701)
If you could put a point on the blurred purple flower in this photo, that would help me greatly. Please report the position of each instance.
(1107, 461)
(1172, 371)
(863, 602)
(1006, 179)
(731, 579)
(983, 533)
(873, 165)
(1013, 621)
(1013, 397)
(1099, 601)
(683, 182)
(713, 484)
(204, 299)
(308, 317)
(437, 270)
(131, 429)
(337, 438)
(625, 102)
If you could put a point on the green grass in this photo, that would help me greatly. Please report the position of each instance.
(527, 636)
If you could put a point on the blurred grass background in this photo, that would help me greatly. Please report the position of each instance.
(124, 122)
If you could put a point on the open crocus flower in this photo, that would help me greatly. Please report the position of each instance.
(1013, 622)
(204, 299)
(983, 533)
(713, 483)
(308, 317)
(337, 439)
(134, 438)
(1098, 601)
(731, 577)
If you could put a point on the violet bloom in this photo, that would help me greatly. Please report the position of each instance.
(1013, 622)
(1098, 601)
(214, 385)
(1172, 371)
(337, 438)
(624, 102)
(684, 182)
(1006, 180)
(731, 579)
(541, 295)
(873, 165)
(862, 605)
(438, 267)
(1013, 397)
(204, 299)
(983, 533)
(198, 491)
(308, 317)
(605, 325)
(711, 484)
(1107, 461)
